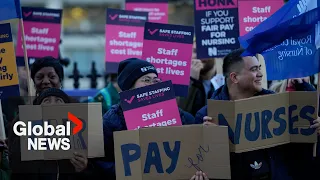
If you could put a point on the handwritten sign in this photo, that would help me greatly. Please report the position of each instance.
(42, 29)
(253, 12)
(153, 153)
(157, 9)
(9, 83)
(169, 49)
(87, 141)
(150, 106)
(124, 36)
(267, 121)
(217, 27)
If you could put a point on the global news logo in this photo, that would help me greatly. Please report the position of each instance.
(48, 137)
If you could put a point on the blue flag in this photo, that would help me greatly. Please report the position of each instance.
(288, 40)
(10, 9)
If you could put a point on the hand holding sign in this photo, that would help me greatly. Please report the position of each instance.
(199, 176)
(79, 161)
(296, 81)
(316, 125)
(208, 121)
(196, 66)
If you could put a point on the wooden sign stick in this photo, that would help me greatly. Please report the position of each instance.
(26, 61)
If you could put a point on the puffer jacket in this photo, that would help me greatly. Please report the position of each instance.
(113, 121)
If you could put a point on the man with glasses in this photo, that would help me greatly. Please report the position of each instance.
(132, 73)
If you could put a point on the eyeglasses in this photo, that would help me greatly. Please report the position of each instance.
(150, 80)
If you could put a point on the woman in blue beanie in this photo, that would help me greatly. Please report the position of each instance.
(132, 73)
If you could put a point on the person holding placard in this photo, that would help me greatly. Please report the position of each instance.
(304, 162)
(130, 76)
(244, 80)
(201, 87)
(199, 176)
(46, 73)
(75, 168)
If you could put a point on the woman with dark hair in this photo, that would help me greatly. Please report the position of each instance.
(47, 73)
(75, 168)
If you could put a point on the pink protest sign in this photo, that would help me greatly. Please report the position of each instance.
(42, 29)
(124, 36)
(169, 49)
(253, 12)
(150, 106)
(157, 9)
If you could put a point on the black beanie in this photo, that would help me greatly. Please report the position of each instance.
(47, 62)
(52, 92)
(132, 69)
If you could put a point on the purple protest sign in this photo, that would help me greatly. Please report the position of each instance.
(157, 9)
(42, 29)
(169, 49)
(150, 106)
(124, 36)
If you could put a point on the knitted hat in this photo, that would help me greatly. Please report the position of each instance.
(52, 92)
(132, 69)
(47, 62)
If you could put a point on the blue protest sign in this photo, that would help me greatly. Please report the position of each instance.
(293, 58)
(292, 19)
(287, 40)
(10, 9)
(217, 27)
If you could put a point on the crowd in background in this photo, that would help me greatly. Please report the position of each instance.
(243, 79)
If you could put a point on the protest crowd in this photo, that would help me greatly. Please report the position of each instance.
(188, 82)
